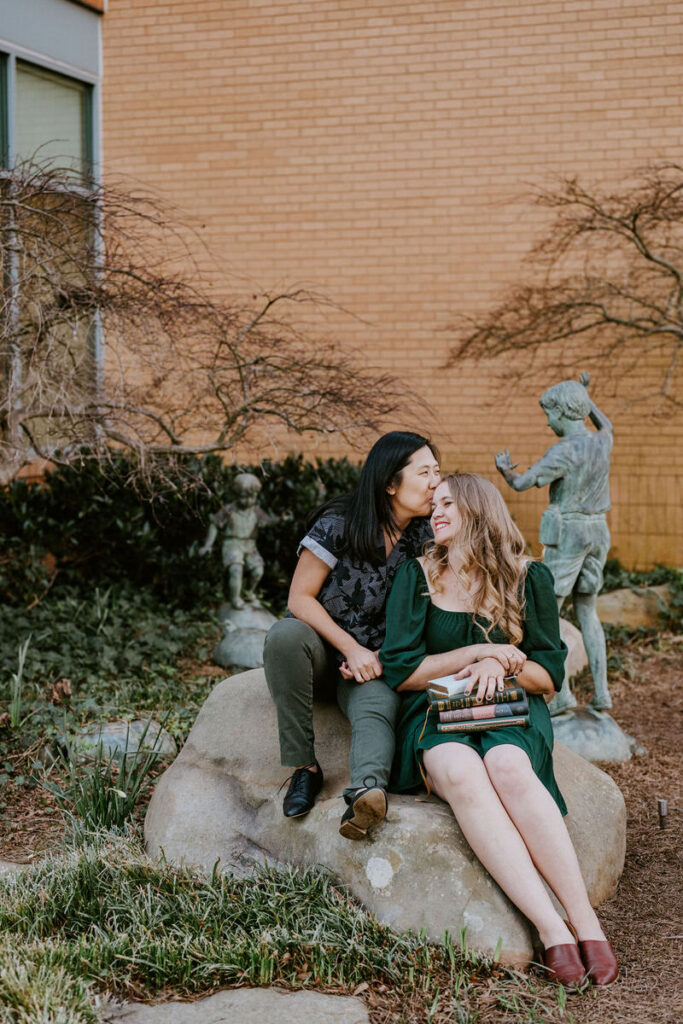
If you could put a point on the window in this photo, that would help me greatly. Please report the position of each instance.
(46, 117)
(52, 119)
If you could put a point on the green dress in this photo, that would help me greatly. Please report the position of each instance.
(416, 628)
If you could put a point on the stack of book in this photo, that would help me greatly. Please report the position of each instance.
(459, 712)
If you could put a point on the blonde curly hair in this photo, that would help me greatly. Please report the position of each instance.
(493, 551)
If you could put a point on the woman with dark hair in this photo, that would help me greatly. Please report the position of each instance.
(474, 605)
(330, 639)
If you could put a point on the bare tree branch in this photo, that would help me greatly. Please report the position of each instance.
(181, 371)
(607, 277)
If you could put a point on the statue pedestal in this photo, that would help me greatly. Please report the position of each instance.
(594, 735)
(245, 634)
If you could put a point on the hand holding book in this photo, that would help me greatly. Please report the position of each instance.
(484, 677)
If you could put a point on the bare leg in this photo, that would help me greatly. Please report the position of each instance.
(457, 774)
(564, 700)
(253, 571)
(585, 606)
(539, 822)
(235, 585)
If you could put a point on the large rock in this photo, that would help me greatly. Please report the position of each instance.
(219, 802)
(116, 739)
(633, 608)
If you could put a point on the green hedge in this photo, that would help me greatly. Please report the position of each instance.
(96, 526)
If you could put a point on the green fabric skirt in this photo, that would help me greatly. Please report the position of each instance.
(530, 739)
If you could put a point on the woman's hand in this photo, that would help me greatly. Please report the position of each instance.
(486, 675)
(510, 657)
(361, 664)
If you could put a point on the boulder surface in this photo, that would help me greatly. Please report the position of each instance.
(577, 659)
(219, 802)
(633, 608)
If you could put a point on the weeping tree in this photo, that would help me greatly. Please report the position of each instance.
(109, 341)
(605, 288)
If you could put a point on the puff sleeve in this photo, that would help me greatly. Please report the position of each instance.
(542, 642)
(404, 646)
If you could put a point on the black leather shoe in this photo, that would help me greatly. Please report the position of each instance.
(366, 809)
(304, 787)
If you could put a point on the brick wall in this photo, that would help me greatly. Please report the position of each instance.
(378, 152)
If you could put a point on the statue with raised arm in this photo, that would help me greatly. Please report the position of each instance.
(574, 528)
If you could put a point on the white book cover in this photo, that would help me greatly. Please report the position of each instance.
(449, 686)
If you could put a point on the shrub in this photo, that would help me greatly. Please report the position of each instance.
(97, 654)
(94, 524)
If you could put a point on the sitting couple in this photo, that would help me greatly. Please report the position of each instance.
(372, 618)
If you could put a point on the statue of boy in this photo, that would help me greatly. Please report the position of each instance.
(574, 528)
(239, 520)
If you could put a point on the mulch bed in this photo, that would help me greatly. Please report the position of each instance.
(645, 918)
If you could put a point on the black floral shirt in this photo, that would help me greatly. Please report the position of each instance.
(355, 592)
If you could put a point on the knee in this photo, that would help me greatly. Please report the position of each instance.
(509, 768)
(456, 779)
(375, 700)
(288, 642)
(287, 635)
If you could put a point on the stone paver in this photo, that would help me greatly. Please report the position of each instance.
(248, 1006)
(7, 867)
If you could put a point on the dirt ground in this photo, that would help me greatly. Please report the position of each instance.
(645, 918)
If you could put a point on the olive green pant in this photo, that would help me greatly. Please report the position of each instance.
(301, 666)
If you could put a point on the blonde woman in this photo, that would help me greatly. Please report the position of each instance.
(476, 606)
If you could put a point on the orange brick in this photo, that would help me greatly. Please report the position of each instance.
(382, 157)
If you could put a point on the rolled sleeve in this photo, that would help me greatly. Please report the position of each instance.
(325, 539)
(312, 545)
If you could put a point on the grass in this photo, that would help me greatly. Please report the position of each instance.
(104, 792)
(103, 918)
(16, 685)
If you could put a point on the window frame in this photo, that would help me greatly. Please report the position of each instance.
(9, 55)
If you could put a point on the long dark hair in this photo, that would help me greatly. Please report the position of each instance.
(368, 507)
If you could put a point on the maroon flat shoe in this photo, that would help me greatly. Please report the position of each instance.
(563, 964)
(599, 960)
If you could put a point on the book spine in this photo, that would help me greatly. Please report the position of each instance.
(493, 723)
(518, 707)
(507, 696)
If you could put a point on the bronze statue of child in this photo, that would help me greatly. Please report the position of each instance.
(574, 528)
(239, 522)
